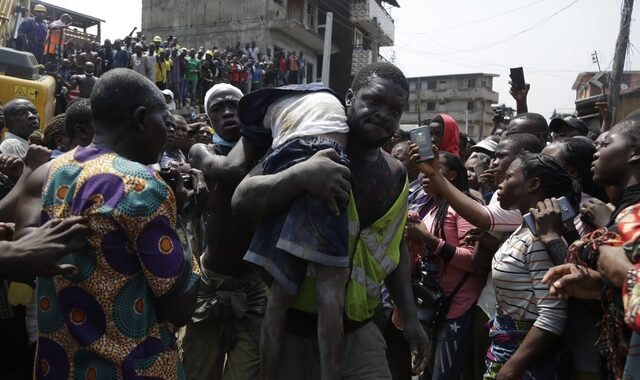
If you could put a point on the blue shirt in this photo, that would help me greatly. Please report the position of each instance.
(120, 59)
(35, 35)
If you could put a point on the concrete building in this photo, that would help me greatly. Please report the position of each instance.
(466, 97)
(285, 25)
(360, 29)
(373, 29)
(585, 84)
(279, 25)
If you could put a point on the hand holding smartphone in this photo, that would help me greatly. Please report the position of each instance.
(567, 213)
(422, 138)
(517, 78)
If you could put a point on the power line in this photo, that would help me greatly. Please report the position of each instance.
(512, 36)
(347, 9)
(438, 56)
(548, 72)
(480, 20)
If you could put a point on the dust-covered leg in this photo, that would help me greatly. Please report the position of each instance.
(330, 290)
(272, 332)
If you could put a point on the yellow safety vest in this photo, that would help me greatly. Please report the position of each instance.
(374, 253)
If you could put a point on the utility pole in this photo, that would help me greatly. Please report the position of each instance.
(326, 55)
(596, 60)
(618, 58)
(466, 122)
(419, 103)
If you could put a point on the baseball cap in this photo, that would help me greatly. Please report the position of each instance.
(571, 122)
(40, 8)
(486, 146)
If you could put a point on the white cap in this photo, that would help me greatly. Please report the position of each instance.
(168, 92)
(219, 87)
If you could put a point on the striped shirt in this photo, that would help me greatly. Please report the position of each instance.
(517, 271)
(502, 220)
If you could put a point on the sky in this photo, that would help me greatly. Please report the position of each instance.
(551, 39)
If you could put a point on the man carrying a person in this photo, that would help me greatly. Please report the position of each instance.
(377, 213)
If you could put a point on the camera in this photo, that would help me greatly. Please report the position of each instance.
(187, 179)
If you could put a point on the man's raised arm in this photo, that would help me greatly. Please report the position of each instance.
(259, 195)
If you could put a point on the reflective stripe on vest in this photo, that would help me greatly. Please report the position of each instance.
(374, 254)
(54, 41)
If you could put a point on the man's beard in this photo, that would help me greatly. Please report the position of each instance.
(366, 141)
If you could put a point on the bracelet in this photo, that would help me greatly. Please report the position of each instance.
(632, 279)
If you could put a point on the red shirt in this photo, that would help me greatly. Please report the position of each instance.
(293, 63)
(235, 74)
(283, 65)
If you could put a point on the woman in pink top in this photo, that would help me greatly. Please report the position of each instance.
(448, 257)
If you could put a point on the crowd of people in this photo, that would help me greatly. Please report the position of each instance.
(296, 234)
(187, 73)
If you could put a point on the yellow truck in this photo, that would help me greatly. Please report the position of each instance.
(20, 78)
(19, 71)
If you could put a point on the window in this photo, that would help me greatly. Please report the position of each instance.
(310, 78)
(358, 39)
(412, 86)
(462, 84)
(471, 106)
(472, 83)
(432, 84)
(431, 106)
(311, 16)
(484, 84)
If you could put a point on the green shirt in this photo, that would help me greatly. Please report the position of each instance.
(192, 69)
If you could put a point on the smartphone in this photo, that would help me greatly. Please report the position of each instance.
(422, 138)
(517, 77)
(567, 213)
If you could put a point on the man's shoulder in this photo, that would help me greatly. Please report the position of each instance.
(31, 22)
(393, 162)
(10, 142)
(396, 169)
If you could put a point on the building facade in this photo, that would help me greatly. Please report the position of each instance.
(373, 28)
(465, 97)
(360, 27)
(587, 84)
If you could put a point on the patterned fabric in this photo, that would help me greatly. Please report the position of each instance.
(101, 323)
(629, 230)
(628, 224)
(506, 336)
(632, 366)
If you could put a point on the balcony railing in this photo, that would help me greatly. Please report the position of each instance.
(464, 93)
(372, 17)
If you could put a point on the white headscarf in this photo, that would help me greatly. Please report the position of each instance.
(217, 88)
